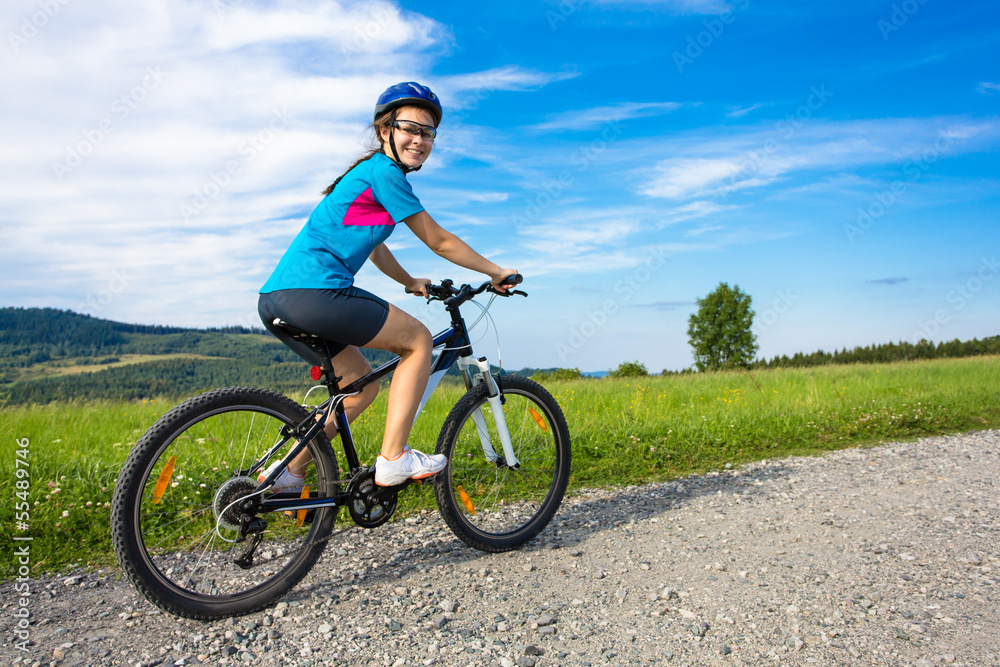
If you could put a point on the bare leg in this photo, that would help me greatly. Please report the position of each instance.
(403, 335)
(351, 365)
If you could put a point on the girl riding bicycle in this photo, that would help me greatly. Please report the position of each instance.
(313, 289)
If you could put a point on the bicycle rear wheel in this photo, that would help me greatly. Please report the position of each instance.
(173, 522)
(489, 505)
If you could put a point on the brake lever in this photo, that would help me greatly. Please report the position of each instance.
(507, 293)
(430, 296)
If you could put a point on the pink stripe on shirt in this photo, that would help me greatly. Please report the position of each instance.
(366, 212)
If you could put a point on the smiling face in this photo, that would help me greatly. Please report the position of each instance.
(412, 150)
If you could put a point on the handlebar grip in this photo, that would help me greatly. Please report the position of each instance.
(409, 291)
(514, 279)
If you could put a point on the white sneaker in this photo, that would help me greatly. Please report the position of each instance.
(410, 464)
(285, 483)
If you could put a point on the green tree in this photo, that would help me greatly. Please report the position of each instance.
(557, 374)
(720, 331)
(627, 369)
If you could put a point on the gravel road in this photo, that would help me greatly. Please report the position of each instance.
(882, 556)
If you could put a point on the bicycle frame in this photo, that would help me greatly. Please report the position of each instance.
(456, 347)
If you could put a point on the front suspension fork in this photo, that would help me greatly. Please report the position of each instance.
(495, 400)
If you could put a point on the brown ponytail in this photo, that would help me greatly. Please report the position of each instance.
(375, 146)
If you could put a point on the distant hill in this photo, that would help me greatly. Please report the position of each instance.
(48, 354)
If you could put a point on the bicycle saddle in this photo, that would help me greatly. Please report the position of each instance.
(300, 336)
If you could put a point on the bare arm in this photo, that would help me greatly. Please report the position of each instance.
(452, 248)
(386, 262)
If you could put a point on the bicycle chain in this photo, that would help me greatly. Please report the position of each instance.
(310, 544)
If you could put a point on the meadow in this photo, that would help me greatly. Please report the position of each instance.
(624, 431)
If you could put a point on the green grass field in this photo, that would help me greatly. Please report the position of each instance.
(624, 431)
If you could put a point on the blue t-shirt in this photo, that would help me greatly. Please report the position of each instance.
(345, 227)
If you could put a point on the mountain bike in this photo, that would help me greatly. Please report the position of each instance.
(198, 535)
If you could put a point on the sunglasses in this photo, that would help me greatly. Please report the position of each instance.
(415, 129)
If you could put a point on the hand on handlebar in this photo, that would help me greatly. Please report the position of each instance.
(448, 293)
(506, 279)
(418, 287)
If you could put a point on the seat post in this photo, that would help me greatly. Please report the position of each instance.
(322, 349)
(330, 378)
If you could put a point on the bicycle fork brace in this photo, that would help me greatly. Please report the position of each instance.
(496, 407)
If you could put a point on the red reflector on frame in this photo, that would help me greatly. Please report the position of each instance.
(316, 373)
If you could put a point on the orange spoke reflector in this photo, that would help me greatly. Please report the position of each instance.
(538, 419)
(300, 516)
(164, 479)
(466, 500)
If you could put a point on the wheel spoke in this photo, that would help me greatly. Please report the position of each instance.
(186, 541)
(179, 529)
(509, 505)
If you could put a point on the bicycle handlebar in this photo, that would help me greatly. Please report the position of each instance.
(451, 295)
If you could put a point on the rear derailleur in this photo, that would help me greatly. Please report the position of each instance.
(254, 527)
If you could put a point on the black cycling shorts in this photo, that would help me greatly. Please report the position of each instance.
(348, 316)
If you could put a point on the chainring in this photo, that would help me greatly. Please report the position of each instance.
(369, 504)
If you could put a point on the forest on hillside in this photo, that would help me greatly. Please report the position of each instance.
(46, 338)
(38, 344)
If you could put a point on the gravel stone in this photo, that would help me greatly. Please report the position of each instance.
(880, 556)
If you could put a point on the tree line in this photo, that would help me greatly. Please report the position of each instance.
(242, 356)
(721, 336)
(886, 353)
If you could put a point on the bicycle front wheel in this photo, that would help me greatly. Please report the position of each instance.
(487, 503)
(173, 522)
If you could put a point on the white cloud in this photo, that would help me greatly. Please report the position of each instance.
(698, 231)
(988, 88)
(509, 77)
(580, 237)
(691, 210)
(739, 112)
(681, 177)
(706, 166)
(184, 143)
(464, 94)
(590, 118)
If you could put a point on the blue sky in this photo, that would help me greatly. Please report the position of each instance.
(836, 160)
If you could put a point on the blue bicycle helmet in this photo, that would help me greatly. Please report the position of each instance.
(409, 93)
